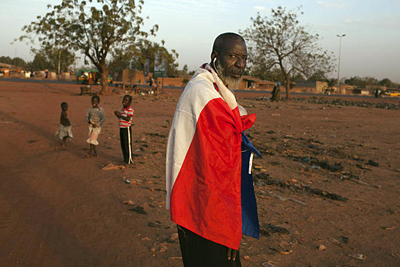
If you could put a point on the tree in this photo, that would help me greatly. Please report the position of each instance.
(6, 60)
(18, 62)
(331, 81)
(54, 59)
(60, 59)
(356, 81)
(40, 62)
(100, 30)
(185, 70)
(386, 82)
(361, 82)
(280, 41)
(147, 50)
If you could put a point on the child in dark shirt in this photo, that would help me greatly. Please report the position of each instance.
(65, 128)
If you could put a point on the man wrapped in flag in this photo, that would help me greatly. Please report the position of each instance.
(208, 167)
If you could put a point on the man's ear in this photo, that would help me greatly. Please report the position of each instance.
(214, 56)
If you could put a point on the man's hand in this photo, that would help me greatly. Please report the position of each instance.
(117, 113)
(231, 254)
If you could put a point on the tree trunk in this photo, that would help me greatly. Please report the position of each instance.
(104, 83)
(287, 87)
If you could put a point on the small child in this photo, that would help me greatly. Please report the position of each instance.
(65, 128)
(125, 128)
(95, 117)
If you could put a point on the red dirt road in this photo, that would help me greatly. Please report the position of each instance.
(58, 208)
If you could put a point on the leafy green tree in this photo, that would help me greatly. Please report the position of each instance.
(147, 50)
(54, 59)
(299, 78)
(99, 29)
(280, 41)
(6, 60)
(18, 62)
(355, 81)
(371, 81)
(317, 76)
(185, 70)
(362, 82)
(60, 59)
(386, 82)
(331, 81)
(40, 62)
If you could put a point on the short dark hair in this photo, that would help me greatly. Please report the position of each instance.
(220, 40)
(96, 97)
(64, 104)
(129, 96)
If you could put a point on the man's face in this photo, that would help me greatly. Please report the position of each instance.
(64, 107)
(232, 61)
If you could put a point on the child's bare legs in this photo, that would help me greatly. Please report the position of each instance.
(92, 151)
(89, 154)
(64, 141)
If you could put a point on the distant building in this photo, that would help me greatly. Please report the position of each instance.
(254, 83)
(129, 76)
(309, 87)
(5, 69)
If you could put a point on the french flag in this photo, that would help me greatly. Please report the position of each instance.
(208, 166)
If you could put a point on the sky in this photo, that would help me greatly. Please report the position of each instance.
(370, 47)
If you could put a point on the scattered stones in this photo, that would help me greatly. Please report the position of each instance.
(163, 248)
(174, 237)
(335, 241)
(362, 167)
(155, 224)
(344, 102)
(139, 210)
(271, 229)
(112, 166)
(358, 256)
(373, 163)
(268, 264)
(345, 239)
(336, 167)
(129, 202)
(264, 179)
(321, 247)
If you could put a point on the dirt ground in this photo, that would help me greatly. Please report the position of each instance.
(327, 186)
